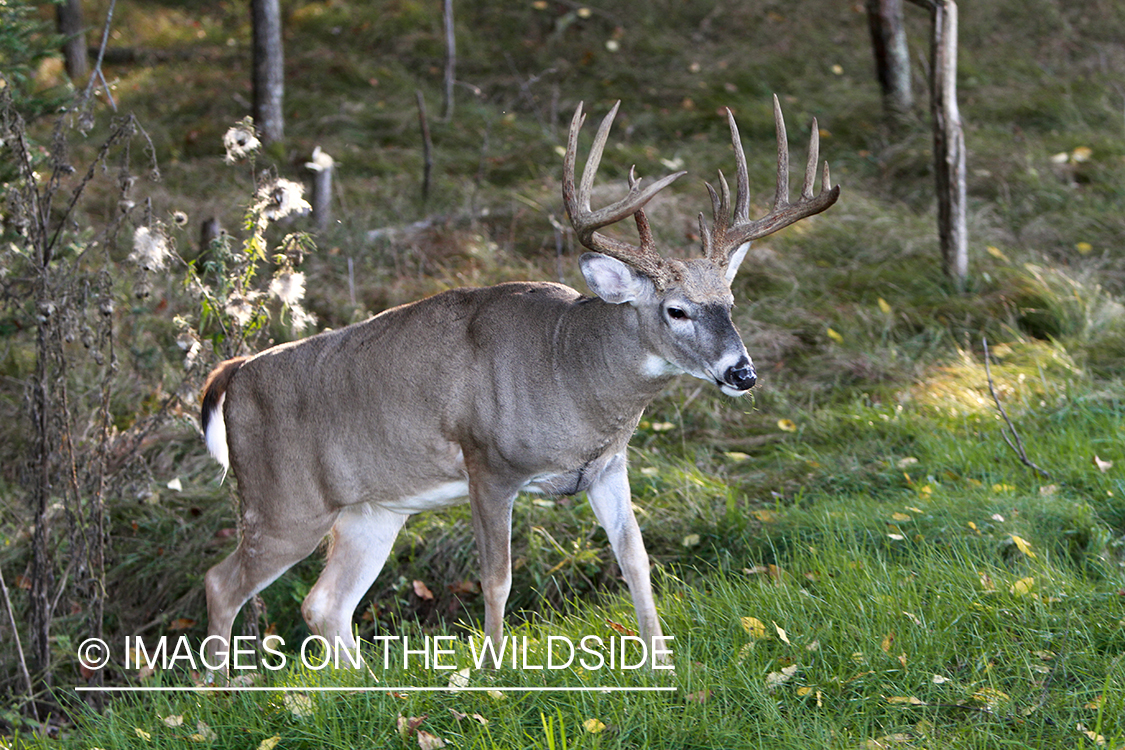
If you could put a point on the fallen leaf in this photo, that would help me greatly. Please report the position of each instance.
(698, 697)
(786, 425)
(775, 680)
(995, 252)
(269, 743)
(173, 721)
(905, 462)
(937, 679)
(997, 517)
(896, 537)
(423, 591)
(496, 695)
(765, 516)
(204, 733)
(1081, 154)
(176, 485)
(803, 691)
(884, 306)
(1022, 587)
(407, 727)
(913, 618)
(835, 336)
(1048, 489)
(691, 540)
(888, 642)
(814, 646)
(1096, 738)
(593, 726)
(181, 623)
(908, 700)
(619, 628)
(900, 517)
(755, 627)
(994, 699)
(1023, 546)
(1103, 466)
(427, 741)
(459, 679)
(902, 659)
(1083, 247)
(142, 734)
(781, 633)
(298, 704)
(476, 717)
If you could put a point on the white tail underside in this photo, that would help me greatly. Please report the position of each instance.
(216, 435)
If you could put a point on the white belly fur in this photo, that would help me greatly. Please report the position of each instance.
(440, 496)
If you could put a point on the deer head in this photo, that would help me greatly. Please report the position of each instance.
(684, 305)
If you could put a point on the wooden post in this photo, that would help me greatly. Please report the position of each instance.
(322, 166)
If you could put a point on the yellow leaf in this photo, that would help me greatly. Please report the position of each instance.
(998, 488)
(459, 679)
(1084, 247)
(754, 627)
(838, 69)
(995, 252)
(765, 516)
(1081, 154)
(1023, 546)
(691, 540)
(786, 425)
(888, 642)
(994, 699)
(1103, 466)
(886, 308)
(173, 721)
(900, 517)
(269, 743)
(908, 700)
(803, 691)
(1048, 489)
(937, 679)
(593, 726)
(1022, 587)
(142, 734)
(1096, 738)
(781, 633)
(832, 334)
(736, 455)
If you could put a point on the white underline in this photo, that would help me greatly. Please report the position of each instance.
(392, 689)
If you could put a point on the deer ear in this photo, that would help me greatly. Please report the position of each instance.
(611, 279)
(735, 261)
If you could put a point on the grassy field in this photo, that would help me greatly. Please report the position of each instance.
(853, 557)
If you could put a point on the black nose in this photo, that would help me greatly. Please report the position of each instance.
(742, 376)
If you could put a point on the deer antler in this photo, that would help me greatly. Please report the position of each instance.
(721, 241)
(643, 257)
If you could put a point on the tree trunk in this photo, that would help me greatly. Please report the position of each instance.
(269, 78)
(949, 145)
(69, 16)
(892, 56)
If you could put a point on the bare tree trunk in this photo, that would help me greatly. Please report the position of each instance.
(450, 60)
(269, 73)
(69, 16)
(892, 56)
(949, 145)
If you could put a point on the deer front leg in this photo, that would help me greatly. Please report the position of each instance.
(611, 500)
(492, 527)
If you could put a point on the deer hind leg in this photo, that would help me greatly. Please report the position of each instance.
(263, 554)
(610, 498)
(362, 538)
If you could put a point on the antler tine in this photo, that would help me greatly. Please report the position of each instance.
(783, 213)
(781, 197)
(586, 221)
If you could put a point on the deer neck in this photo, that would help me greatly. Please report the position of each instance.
(600, 356)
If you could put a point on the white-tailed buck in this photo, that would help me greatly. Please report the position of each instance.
(479, 394)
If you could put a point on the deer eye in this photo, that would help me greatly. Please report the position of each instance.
(677, 313)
